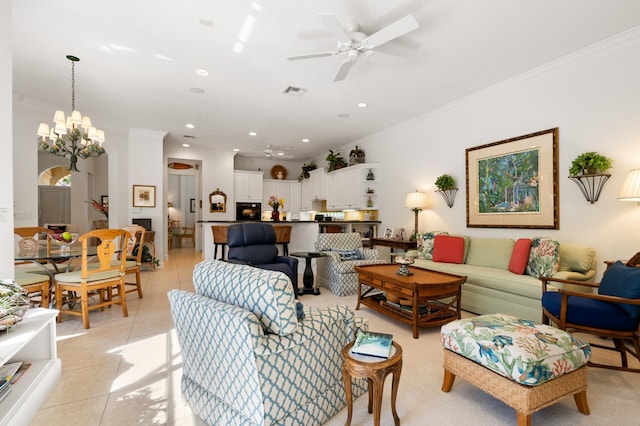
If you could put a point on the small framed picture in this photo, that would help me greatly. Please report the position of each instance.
(104, 200)
(388, 233)
(144, 196)
(192, 205)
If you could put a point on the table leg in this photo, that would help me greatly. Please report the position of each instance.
(378, 383)
(307, 279)
(346, 377)
(394, 394)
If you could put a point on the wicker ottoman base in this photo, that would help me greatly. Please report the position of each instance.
(524, 399)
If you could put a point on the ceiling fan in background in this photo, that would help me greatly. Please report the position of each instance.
(353, 44)
(270, 152)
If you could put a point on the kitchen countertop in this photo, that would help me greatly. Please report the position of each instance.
(324, 222)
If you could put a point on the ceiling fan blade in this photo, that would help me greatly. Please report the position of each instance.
(311, 56)
(335, 27)
(344, 69)
(391, 31)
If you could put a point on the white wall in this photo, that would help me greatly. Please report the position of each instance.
(6, 138)
(593, 97)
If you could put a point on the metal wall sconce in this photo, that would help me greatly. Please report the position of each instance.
(591, 185)
(449, 195)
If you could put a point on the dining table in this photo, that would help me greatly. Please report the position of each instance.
(52, 260)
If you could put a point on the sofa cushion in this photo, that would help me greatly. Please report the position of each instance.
(543, 258)
(622, 281)
(520, 256)
(424, 242)
(267, 294)
(490, 252)
(576, 258)
(448, 249)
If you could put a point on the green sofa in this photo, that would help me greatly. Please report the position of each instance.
(491, 286)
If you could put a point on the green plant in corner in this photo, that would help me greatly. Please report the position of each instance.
(589, 163)
(445, 182)
(335, 160)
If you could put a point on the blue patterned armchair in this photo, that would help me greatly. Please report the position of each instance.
(248, 359)
(343, 252)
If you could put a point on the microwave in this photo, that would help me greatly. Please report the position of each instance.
(249, 211)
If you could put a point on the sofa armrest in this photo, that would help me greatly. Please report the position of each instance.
(370, 254)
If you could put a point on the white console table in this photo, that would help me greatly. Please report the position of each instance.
(31, 340)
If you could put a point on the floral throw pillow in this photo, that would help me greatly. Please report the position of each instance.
(425, 244)
(544, 258)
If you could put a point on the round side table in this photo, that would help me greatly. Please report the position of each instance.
(307, 278)
(375, 371)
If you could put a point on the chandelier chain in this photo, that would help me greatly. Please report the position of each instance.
(73, 86)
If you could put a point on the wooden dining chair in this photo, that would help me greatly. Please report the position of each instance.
(188, 232)
(100, 279)
(30, 239)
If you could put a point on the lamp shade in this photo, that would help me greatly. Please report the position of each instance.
(416, 200)
(631, 188)
(43, 130)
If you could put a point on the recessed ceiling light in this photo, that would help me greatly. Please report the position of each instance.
(236, 150)
(362, 105)
(186, 145)
(281, 153)
(343, 115)
(202, 72)
(253, 134)
(305, 140)
(197, 90)
(190, 126)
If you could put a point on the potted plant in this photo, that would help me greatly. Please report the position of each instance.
(447, 188)
(445, 182)
(306, 168)
(335, 160)
(590, 163)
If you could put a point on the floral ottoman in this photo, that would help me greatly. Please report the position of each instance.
(526, 365)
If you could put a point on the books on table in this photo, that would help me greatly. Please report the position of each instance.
(371, 343)
(8, 370)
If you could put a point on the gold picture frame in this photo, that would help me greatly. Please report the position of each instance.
(144, 196)
(514, 183)
(217, 201)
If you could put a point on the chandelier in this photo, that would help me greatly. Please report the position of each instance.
(67, 140)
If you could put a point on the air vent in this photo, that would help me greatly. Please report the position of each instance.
(294, 91)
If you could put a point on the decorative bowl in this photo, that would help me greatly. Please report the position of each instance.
(65, 243)
(404, 261)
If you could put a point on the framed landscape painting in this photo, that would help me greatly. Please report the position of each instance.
(514, 183)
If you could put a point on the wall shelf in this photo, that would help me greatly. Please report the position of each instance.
(591, 185)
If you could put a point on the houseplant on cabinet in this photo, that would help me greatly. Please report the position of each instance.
(446, 185)
(335, 161)
(306, 168)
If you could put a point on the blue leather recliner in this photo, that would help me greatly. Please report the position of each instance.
(254, 244)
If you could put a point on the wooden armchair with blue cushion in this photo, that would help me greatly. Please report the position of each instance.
(614, 312)
(250, 356)
(255, 244)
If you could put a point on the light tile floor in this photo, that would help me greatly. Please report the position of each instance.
(124, 370)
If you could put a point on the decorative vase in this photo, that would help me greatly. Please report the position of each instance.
(275, 214)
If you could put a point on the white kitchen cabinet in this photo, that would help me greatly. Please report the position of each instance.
(248, 186)
(295, 197)
(318, 185)
(280, 188)
(33, 340)
(305, 195)
(350, 189)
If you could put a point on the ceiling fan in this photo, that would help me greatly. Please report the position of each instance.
(353, 44)
(269, 152)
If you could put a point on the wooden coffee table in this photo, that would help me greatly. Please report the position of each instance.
(425, 299)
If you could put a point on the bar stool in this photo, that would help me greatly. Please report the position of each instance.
(283, 236)
(219, 239)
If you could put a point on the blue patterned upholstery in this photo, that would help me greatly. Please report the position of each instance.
(236, 372)
(338, 275)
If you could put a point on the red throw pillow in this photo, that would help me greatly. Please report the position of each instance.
(448, 249)
(520, 256)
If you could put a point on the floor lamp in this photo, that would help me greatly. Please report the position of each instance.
(631, 188)
(416, 201)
